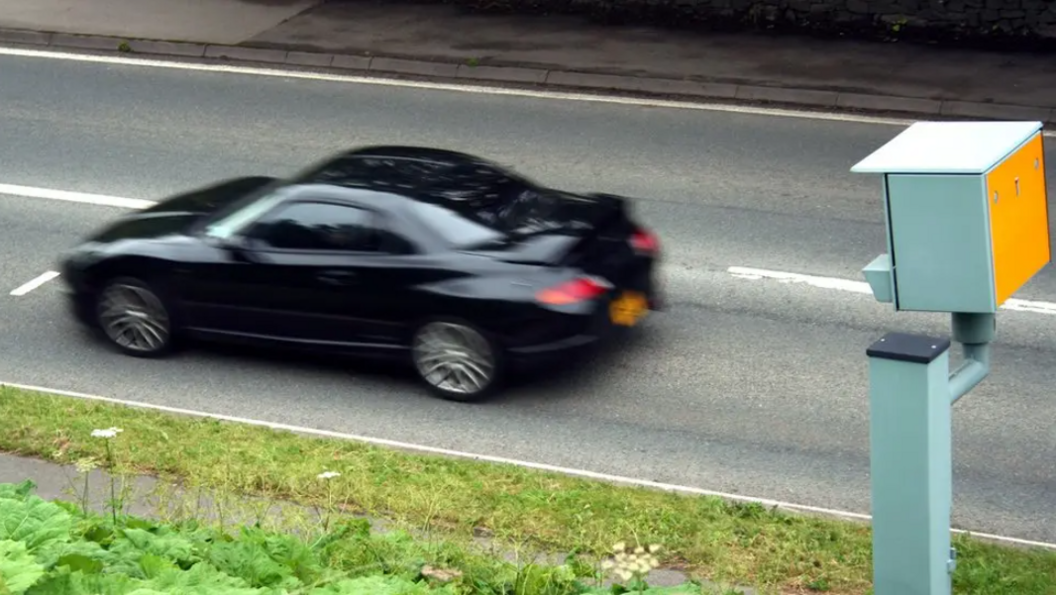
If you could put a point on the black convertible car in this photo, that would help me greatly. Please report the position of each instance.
(453, 262)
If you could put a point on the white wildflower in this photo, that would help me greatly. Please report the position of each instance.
(328, 475)
(107, 433)
(86, 464)
(632, 563)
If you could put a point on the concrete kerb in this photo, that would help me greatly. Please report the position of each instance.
(557, 79)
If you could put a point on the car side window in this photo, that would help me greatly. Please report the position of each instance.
(318, 226)
(393, 243)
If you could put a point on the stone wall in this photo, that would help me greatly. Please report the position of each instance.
(1008, 24)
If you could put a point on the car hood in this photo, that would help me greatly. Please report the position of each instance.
(177, 213)
(208, 199)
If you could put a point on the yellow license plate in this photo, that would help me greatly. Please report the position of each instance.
(628, 309)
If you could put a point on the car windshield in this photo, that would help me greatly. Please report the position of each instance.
(230, 223)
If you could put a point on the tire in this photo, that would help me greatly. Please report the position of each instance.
(135, 318)
(456, 361)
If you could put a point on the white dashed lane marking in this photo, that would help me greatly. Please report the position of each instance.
(849, 286)
(34, 283)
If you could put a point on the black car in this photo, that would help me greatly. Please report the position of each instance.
(445, 259)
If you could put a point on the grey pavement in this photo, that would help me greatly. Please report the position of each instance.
(150, 497)
(63, 482)
(438, 41)
(207, 21)
(743, 386)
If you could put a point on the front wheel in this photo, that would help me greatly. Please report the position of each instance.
(134, 318)
(456, 361)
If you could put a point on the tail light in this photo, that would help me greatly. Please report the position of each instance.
(580, 289)
(645, 242)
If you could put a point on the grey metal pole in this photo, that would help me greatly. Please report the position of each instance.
(911, 464)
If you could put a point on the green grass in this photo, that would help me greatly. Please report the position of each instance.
(725, 542)
(58, 548)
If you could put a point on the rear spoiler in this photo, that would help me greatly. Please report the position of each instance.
(559, 247)
(617, 202)
(616, 219)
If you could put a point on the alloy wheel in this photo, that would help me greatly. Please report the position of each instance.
(134, 318)
(454, 359)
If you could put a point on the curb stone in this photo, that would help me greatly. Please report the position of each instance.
(554, 78)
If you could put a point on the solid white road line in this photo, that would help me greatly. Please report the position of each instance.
(847, 285)
(461, 88)
(644, 483)
(34, 283)
(66, 195)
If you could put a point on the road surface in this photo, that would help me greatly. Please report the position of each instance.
(746, 384)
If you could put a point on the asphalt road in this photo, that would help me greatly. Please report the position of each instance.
(746, 386)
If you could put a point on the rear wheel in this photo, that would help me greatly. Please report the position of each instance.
(134, 317)
(457, 362)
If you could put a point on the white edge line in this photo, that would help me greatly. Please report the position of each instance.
(504, 461)
(847, 285)
(462, 88)
(34, 283)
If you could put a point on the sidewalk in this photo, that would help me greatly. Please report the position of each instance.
(439, 42)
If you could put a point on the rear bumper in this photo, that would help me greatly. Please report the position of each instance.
(546, 352)
(566, 351)
(591, 332)
(563, 352)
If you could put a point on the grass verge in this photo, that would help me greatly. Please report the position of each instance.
(709, 537)
(59, 548)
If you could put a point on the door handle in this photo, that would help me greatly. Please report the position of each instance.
(336, 277)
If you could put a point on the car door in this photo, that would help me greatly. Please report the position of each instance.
(307, 279)
(368, 278)
(392, 273)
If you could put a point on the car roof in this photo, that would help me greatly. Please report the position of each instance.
(448, 156)
(425, 185)
(342, 193)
